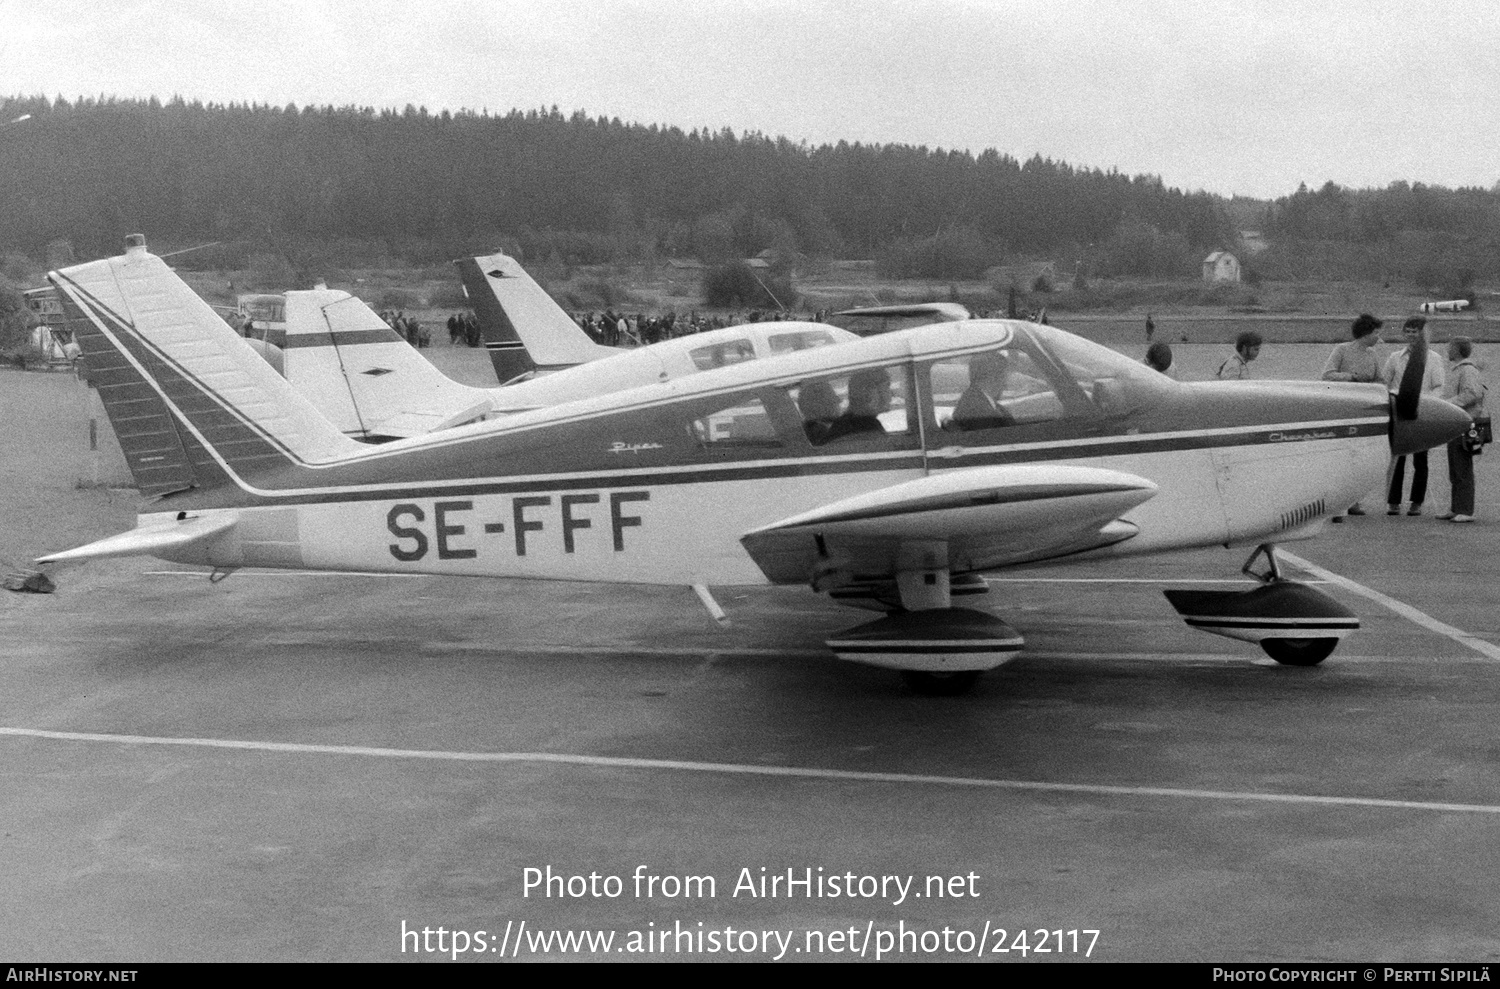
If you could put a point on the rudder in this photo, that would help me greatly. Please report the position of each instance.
(192, 404)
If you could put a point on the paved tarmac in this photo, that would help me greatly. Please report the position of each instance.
(286, 767)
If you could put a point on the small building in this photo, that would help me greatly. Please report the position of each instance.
(1221, 266)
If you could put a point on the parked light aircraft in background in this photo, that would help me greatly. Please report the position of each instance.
(858, 470)
(885, 319)
(1451, 305)
(373, 386)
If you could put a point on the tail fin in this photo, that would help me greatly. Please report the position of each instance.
(524, 330)
(193, 406)
(364, 378)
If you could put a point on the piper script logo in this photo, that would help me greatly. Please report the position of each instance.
(620, 447)
(1307, 435)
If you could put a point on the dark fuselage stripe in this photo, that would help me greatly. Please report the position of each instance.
(343, 338)
(791, 467)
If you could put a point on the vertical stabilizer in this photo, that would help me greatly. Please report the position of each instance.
(362, 376)
(191, 403)
(524, 329)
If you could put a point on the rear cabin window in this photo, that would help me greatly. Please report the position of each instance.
(742, 426)
(722, 354)
(785, 343)
(862, 409)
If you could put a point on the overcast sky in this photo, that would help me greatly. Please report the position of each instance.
(1232, 96)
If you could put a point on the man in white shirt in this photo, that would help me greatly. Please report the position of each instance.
(1415, 331)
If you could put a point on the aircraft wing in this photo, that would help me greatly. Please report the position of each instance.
(966, 520)
(150, 540)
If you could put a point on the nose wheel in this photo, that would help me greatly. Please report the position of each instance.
(1299, 652)
(1296, 625)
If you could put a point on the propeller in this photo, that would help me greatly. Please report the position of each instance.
(1420, 422)
(1410, 390)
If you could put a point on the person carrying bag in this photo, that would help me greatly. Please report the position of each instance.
(1466, 390)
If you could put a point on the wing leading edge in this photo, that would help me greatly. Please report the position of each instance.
(968, 520)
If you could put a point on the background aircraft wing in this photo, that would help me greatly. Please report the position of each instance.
(972, 519)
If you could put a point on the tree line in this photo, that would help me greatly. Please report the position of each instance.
(354, 186)
(1441, 240)
(428, 186)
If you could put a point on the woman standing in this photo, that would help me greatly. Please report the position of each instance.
(1467, 392)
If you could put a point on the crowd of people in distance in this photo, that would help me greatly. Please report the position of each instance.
(614, 329)
(464, 326)
(408, 328)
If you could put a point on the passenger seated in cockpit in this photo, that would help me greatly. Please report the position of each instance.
(869, 395)
(979, 406)
(820, 407)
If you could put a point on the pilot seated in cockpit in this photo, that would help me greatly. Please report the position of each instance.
(979, 406)
(869, 395)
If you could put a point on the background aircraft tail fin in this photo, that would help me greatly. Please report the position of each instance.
(192, 405)
(362, 376)
(524, 329)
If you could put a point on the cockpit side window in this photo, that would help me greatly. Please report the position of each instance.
(995, 389)
(865, 408)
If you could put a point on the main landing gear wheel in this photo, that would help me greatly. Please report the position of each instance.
(940, 684)
(1299, 652)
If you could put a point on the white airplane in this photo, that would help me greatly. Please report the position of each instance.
(528, 335)
(373, 386)
(1451, 305)
(858, 470)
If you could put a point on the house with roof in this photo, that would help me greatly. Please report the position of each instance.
(1221, 266)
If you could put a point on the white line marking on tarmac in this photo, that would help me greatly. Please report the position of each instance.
(740, 769)
(279, 573)
(1421, 618)
(1126, 580)
(752, 652)
(992, 580)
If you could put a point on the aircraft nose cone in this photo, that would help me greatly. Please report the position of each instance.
(1436, 423)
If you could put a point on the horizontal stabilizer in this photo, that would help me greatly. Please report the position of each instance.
(987, 516)
(150, 540)
(420, 423)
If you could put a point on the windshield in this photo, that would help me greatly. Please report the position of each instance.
(1113, 382)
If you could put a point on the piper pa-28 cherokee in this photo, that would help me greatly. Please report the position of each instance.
(888, 472)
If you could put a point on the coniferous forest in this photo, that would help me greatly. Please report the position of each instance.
(588, 189)
(351, 185)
